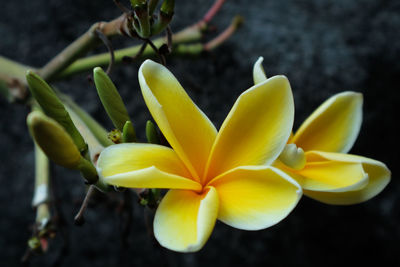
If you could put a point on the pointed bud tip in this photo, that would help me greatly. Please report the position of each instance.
(98, 70)
(33, 117)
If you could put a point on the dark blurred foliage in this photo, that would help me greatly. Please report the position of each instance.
(323, 46)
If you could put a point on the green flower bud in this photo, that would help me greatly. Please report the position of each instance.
(53, 139)
(151, 133)
(168, 7)
(152, 6)
(164, 17)
(110, 98)
(135, 3)
(128, 133)
(142, 15)
(54, 108)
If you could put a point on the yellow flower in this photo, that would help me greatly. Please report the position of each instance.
(212, 175)
(316, 154)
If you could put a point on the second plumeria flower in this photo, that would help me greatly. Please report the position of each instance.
(317, 158)
(212, 175)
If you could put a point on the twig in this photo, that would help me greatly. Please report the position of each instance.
(129, 59)
(213, 11)
(81, 46)
(108, 44)
(160, 56)
(79, 218)
(235, 24)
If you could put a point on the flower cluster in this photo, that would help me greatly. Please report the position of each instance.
(252, 172)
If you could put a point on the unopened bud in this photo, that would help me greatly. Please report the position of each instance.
(110, 98)
(151, 133)
(128, 133)
(53, 139)
(164, 17)
(54, 108)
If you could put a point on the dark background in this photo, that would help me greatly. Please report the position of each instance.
(323, 47)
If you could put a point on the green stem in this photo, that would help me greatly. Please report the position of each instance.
(80, 47)
(12, 79)
(41, 196)
(101, 60)
(91, 124)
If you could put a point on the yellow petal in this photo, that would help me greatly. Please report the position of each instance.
(143, 166)
(256, 129)
(378, 174)
(188, 130)
(255, 197)
(322, 174)
(258, 71)
(332, 127)
(185, 219)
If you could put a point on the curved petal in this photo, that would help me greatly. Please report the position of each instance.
(188, 130)
(258, 71)
(185, 219)
(333, 126)
(256, 129)
(322, 174)
(255, 197)
(378, 173)
(143, 166)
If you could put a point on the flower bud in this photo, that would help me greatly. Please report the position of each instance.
(54, 108)
(164, 17)
(151, 133)
(128, 133)
(110, 99)
(53, 139)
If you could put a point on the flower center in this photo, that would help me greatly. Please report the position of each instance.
(293, 157)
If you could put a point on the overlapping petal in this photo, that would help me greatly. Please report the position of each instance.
(185, 219)
(378, 178)
(322, 174)
(255, 197)
(188, 130)
(144, 166)
(332, 127)
(256, 129)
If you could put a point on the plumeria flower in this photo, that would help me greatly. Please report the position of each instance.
(211, 175)
(316, 155)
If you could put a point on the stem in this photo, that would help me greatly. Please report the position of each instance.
(11, 76)
(79, 219)
(94, 145)
(41, 196)
(85, 64)
(214, 43)
(92, 125)
(81, 46)
(213, 11)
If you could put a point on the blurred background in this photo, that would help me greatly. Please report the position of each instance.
(322, 46)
